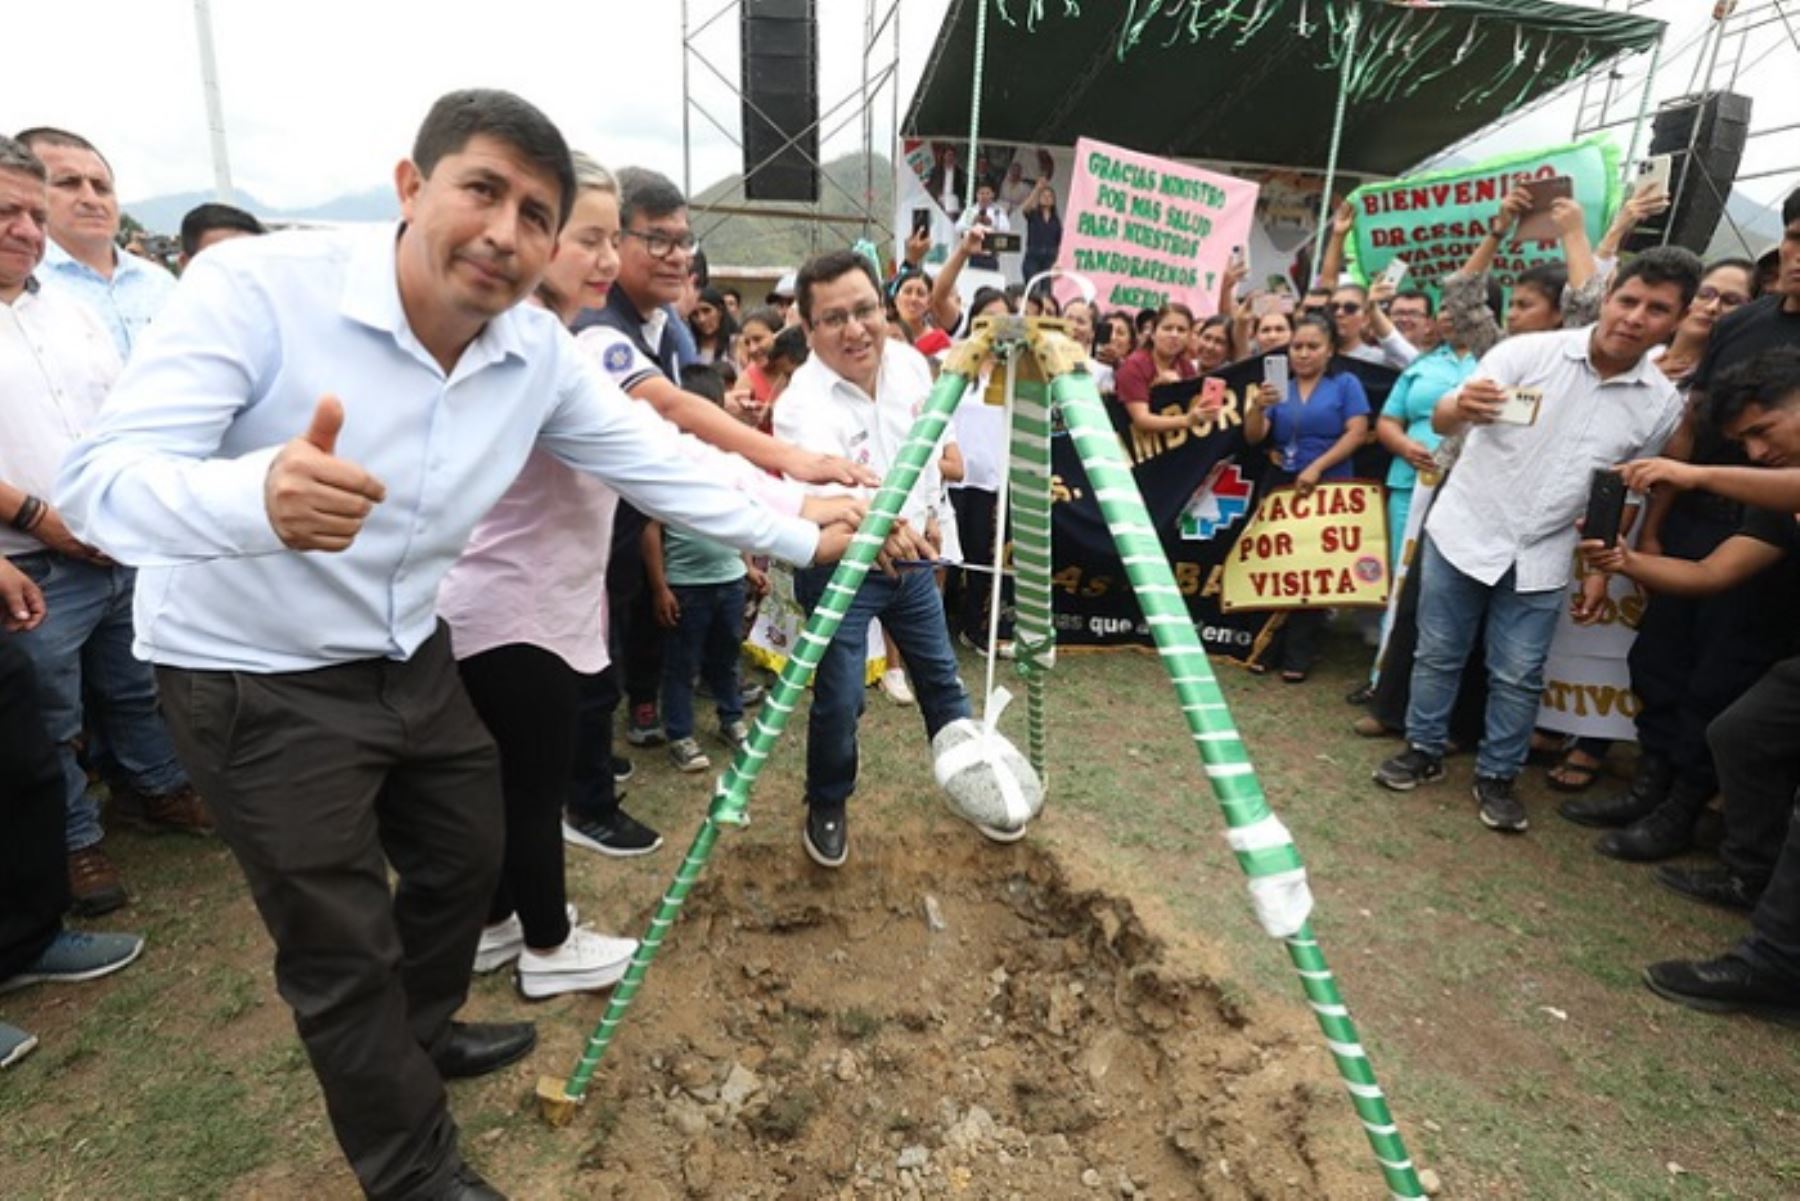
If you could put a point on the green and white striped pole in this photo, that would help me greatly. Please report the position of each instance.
(732, 795)
(1263, 847)
(1034, 630)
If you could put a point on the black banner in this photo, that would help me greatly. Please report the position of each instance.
(1200, 488)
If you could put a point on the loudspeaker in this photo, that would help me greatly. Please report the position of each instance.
(780, 85)
(1699, 183)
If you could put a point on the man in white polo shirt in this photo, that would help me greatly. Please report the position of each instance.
(857, 396)
(1501, 539)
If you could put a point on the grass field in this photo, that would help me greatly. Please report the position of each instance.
(1495, 980)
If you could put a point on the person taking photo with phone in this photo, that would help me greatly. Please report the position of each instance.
(1500, 541)
(1316, 425)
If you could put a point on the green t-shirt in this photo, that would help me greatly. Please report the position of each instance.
(690, 560)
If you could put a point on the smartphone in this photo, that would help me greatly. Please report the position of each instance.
(1275, 372)
(1605, 507)
(1538, 225)
(1237, 257)
(921, 221)
(1212, 393)
(1520, 406)
(1002, 244)
(1654, 174)
(1394, 272)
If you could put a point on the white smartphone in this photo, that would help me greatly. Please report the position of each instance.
(1520, 406)
(1394, 272)
(1275, 372)
(1654, 173)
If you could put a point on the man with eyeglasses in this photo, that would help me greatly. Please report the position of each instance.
(636, 338)
(858, 396)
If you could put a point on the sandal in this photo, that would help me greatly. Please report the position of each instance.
(1293, 677)
(1570, 776)
(1546, 747)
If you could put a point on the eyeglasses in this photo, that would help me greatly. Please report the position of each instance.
(660, 245)
(1730, 300)
(865, 314)
(1346, 306)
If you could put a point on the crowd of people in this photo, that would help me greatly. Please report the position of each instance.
(349, 549)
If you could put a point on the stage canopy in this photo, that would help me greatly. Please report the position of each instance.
(1257, 81)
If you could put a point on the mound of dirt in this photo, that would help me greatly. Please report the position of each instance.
(938, 1021)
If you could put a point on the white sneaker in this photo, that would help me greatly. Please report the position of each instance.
(893, 682)
(587, 962)
(500, 944)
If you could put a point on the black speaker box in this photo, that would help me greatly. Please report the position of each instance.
(780, 85)
(1699, 183)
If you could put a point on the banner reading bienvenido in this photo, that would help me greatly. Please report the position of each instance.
(1327, 549)
(1435, 221)
(1149, 231)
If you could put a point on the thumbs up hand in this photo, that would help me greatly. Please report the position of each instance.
(315, 500)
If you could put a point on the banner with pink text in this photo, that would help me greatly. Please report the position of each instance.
(1148, 231)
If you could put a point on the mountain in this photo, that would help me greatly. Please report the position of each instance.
(740, 241)
(162, 214)
(732, 240)
(1760, 226)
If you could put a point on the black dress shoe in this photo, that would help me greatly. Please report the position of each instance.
(1664, 834)
(827, 835)
(1650, 786)
(467, 1185)
(1713, 886)
(477, 1048)
(1726, 985)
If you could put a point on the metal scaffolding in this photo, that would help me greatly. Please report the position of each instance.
(1724, 54)
(880, 57)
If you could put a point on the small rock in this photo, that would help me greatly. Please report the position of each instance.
(1091, 1178)
(845, 1069)
(691, 1072)
(687, 1117)
(913, 1158)
(1675, 1169)
(1428, 1180)
(934, 915)
(494, 1135)
(1433, 1127)
(739, 1086)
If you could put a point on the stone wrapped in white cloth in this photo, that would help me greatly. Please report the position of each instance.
(984, 777)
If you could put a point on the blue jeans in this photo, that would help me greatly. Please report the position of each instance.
(85, 643)
(705, 639)
(911, 610)
(1520, 626)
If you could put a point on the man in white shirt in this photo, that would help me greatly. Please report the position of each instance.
(990, 215)
(56, 365)
(1501, 537)
(83, 259)
(295, 456)
(857, 396)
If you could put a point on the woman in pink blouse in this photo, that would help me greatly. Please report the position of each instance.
(526, 606)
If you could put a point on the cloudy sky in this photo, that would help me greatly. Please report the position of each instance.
(322, 98)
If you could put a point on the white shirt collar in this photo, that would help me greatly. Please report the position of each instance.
(371, 297)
